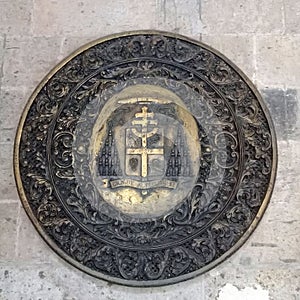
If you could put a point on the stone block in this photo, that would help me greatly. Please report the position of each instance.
(288, 162)
(2, 42)
(174, 16)
(91, 18)
(7, 135)
(61, 281)
(16, 17)
(277, 62)
(293, 113)
(284, 109)
(240, 17)
(294, 171)
(28, 60)
(239, 49)
(292, 16)
(26, 281)
(281, 283)
(261, 283)
(8, 229)
(230, 291)
(11, 107)
(8, 187)
(31, 246)
(180, 17)
(275, 240)
(6, 159)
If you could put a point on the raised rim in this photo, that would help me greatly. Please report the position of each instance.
(150, 283)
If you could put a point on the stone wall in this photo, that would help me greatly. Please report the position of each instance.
(261, 36)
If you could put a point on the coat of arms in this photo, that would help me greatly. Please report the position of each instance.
(145, 154)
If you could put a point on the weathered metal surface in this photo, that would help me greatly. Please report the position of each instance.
(145, 158)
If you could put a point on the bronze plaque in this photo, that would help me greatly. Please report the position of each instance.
(145, 158)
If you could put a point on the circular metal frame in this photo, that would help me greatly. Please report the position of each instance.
(53, 245)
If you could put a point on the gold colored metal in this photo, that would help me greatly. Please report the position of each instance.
(85, 158)
(144, 135)
(143, 190)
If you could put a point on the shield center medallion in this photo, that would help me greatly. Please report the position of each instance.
(146, 151)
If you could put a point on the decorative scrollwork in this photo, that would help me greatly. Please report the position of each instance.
(235, 170)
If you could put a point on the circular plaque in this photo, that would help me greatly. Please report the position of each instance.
(145, 158)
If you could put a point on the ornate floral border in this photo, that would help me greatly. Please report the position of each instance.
(198, 64)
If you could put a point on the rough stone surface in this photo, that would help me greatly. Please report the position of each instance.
(16, 17)
(39, 54)
(2, 42)
(7, 188)
(284, 108)
(30, 245)
(293, 111)
(11, 107)
(278, 60)
(230, 291)
(60, 281)
(182, 17)
(292, 16)
(244, 16)
(260, 36)
(8, 229)
(91, 17)
(270, 283)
